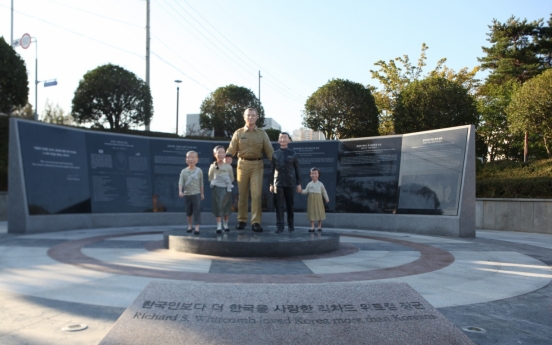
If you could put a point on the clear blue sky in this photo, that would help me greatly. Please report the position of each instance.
(297, 45)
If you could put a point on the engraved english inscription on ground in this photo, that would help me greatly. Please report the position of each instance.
(283, 314)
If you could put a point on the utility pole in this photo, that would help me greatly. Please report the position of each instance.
(11, 44)
(260, 86)
(177, 98)
(147, 54)
(36, 81)
(11, 38)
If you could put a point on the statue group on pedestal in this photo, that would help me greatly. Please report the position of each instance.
(249, 143)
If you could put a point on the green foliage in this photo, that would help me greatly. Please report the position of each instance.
(25, 112)
(492, 102)
(55, 114)
(394, 79)
(543, 41)
(342, 109)
(520, 50)
(531, 108)
(222, 111)
(433, 103)
(113, 95)
(273, 134)
(14, 86)
(510, 179)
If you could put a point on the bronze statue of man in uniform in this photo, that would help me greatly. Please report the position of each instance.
(249, 143)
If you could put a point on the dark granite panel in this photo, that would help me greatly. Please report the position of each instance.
(322, 155)
(168, 158)
(120, 173)
(368, 175)
(55, 169)
(432, 164)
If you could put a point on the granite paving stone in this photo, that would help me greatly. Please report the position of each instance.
(500, 280)
(376, 313)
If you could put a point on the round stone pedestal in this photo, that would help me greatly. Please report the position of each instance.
(252, 244)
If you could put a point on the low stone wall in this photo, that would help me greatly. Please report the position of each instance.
(527, 215)
(417, 224)
(3, 205)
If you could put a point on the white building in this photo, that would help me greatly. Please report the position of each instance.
(303, 134)
(271, 123)
(193, 127)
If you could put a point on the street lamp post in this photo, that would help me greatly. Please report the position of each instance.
(25, 43)
(36, 78)
(177, 97)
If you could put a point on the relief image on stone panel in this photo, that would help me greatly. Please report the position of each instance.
(429, 194)
(432, 164)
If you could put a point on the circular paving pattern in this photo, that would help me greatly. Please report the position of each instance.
(430, 259)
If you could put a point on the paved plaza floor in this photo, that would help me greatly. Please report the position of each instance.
(496, 287)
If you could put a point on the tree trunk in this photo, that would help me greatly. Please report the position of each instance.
(525, 147)
(546, 146)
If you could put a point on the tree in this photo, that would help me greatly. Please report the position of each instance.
(342, 109)
(55, 114)
(113, 95)
(433, 103)
(520, 50)
(513, 53)
(14, 86)
(394, 79)
(222, 111)
(25, 112)
(492, 102)
(543, 41)
(194, 130)
(530, 109)
(273, 134)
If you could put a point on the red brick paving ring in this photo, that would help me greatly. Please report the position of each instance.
(431, 259)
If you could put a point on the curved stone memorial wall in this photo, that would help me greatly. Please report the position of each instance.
(64, 178)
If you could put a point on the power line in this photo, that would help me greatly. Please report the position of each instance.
(207, 38)
(229, 41)
(179, 70)
(97, 14)
(77, 33)
(200, 40)
(275, 87)
(186, 62)
(222, 4)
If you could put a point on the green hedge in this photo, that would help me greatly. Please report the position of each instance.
(510, 179)
(531, 188)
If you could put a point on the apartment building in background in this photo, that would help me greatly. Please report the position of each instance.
(303, 134)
